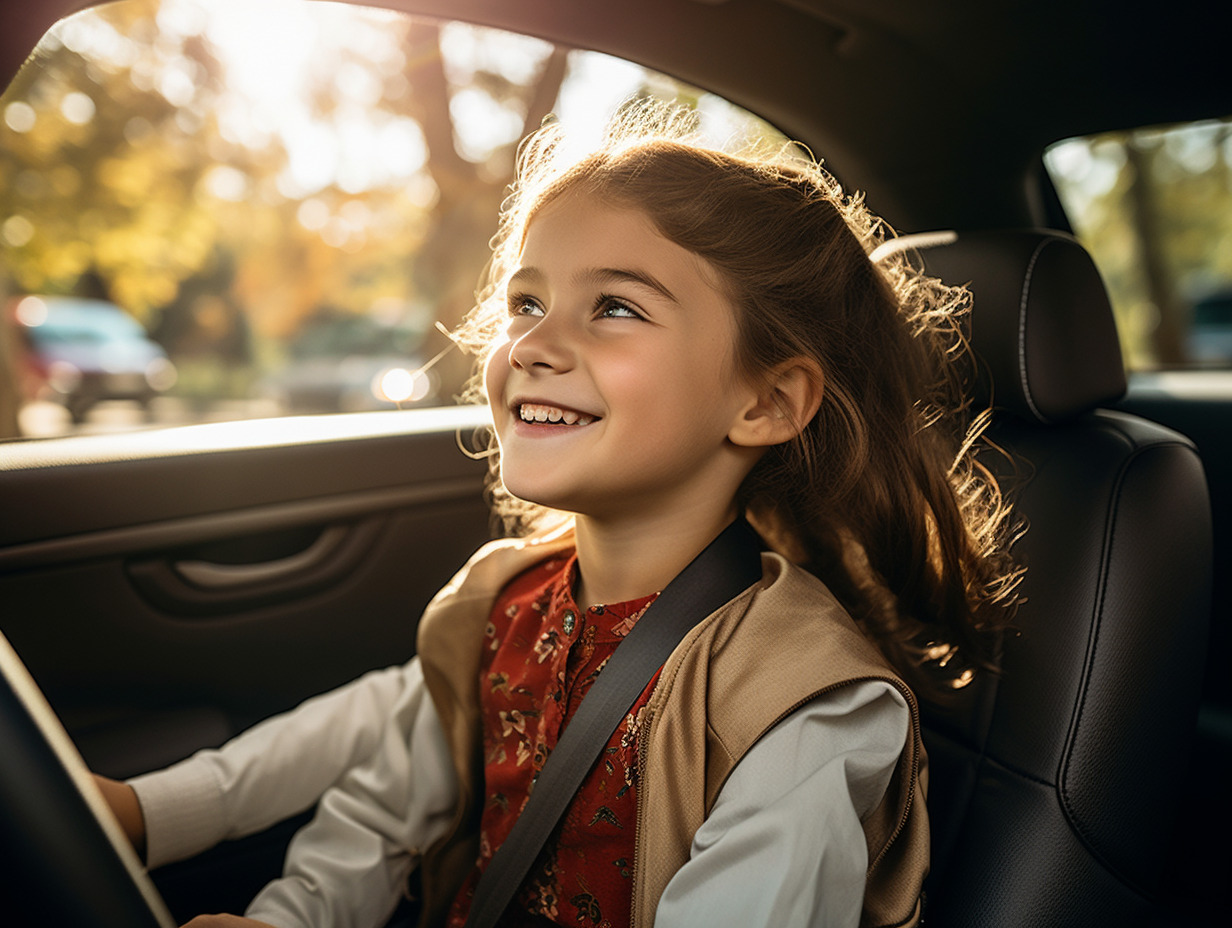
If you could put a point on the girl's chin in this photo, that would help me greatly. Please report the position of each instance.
(554, 498)
(530, 491)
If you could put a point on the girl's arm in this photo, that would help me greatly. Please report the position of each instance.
(348, 867)
(783, 844)
(272, 771)
(123, 802)
(374, 754)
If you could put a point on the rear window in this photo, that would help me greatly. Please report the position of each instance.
(285, 198)
(1154, 207)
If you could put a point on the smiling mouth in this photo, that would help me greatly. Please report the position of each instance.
(553, 415)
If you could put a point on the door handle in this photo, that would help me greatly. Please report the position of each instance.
(212, 576)
(198, 587)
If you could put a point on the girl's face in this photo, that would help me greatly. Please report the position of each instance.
(615, 388)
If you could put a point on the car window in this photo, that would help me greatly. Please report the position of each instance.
(284, 200)
(1154, 207)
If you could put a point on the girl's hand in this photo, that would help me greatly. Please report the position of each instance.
(123, 802)
(226, 921)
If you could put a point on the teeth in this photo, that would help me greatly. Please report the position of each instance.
(534, 412)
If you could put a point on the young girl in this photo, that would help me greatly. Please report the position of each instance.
(670, 338)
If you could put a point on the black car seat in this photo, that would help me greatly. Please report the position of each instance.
(1053, 784)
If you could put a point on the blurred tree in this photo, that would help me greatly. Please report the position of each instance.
(463, 218)
(105, 166)
(1154, 206)
(1168, 334)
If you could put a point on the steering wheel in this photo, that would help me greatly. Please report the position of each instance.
(64, 860)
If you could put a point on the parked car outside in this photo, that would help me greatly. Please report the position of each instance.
(80, 352)
(344, 362)
(1210, 332)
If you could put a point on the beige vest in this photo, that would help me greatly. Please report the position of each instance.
(737, 673)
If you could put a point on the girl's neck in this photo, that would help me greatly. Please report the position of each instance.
(620, 560)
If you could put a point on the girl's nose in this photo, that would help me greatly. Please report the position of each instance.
(548, 346)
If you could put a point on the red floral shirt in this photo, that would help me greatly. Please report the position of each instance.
(541, 656)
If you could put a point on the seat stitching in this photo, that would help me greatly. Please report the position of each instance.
(1071, 814)
(1022, 331)
(1082, 836)
(1110, 533)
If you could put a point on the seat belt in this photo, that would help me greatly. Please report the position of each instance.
(728, 566)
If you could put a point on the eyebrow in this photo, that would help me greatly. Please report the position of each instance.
(600, 276)
(604, 275)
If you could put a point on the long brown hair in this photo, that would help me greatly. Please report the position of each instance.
(882, 495)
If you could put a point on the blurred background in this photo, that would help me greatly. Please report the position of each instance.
(1154, 207)
(224, 210)
(216, 210)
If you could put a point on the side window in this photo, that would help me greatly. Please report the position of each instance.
(214, 210)
(1154, 207)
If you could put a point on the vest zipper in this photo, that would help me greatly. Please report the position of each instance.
(643, 738)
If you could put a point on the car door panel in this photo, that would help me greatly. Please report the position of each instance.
(165, 600)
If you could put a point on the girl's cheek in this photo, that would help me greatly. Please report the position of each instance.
(496, 370)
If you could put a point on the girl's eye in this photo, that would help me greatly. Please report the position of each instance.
(524, 306)
(613, 308)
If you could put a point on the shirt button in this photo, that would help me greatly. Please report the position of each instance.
(570, 621)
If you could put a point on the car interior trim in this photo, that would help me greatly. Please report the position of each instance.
(195, 529)
(240, 435)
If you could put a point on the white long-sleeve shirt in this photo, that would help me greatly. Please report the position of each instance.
(783, 844)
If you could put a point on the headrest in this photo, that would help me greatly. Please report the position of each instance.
(1041, 324)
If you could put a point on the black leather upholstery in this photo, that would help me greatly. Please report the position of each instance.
(1050, 349)
(1053, 784)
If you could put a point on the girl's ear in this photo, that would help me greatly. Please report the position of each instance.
(782, 407)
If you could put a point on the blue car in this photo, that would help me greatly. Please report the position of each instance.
(84, 351)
